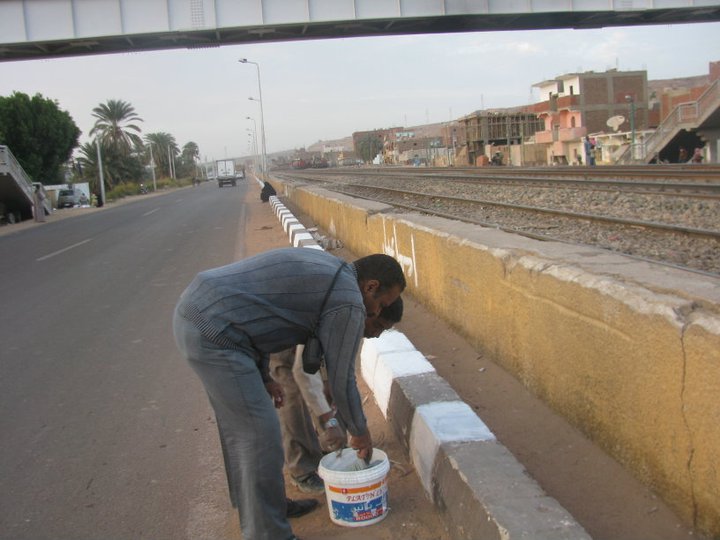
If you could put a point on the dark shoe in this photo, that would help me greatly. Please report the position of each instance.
(299, 508)
(310, 483)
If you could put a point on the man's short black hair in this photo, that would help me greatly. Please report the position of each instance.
(394, 312)
(383, 268)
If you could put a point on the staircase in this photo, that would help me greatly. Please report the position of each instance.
(687, 116)
(16, 189)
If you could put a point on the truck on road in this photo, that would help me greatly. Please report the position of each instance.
(225, 172)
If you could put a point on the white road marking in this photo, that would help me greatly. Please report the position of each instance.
(150, 212)
(63, 250)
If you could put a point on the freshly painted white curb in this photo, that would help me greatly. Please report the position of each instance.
(390, 341)
(389, 367)
(438, 423)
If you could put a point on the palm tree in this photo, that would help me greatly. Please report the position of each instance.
(115, 126)
(190, 152)
(190, 155)
(369, 147)
(163, 146)
(116, 168)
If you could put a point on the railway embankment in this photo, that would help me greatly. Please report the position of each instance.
(628, 351)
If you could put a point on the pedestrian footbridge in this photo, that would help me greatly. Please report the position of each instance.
(16, 190)
(701, 116)
(50, 28)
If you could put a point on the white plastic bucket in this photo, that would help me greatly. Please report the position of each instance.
(356, 498)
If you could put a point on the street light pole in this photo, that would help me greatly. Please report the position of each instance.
(100, 170)
(631, 100)
(262, 115)
(152, 165)
(254, 136)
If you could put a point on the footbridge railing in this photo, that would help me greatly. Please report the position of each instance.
(687, 115)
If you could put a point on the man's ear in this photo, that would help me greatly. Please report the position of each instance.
(370, 286)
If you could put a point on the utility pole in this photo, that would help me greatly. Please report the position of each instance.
(100, 171)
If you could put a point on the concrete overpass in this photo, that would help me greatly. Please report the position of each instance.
(34, 29)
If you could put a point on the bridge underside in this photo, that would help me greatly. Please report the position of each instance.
(26, 36)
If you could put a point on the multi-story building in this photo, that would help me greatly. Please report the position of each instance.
(500, 130)
(576, 105)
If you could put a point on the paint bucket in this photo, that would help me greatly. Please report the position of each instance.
(356, 498)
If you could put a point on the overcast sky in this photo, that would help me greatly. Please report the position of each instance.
(323, 90)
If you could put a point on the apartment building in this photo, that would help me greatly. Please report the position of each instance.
(576, 105)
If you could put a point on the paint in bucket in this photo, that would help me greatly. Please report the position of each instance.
(356, 496)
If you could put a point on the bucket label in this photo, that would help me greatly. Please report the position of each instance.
(360, 507)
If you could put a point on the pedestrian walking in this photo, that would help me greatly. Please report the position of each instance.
(39, 204)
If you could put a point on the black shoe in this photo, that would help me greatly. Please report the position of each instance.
(300, 507)
(310, 483)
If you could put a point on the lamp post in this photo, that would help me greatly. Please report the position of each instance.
(631, 101)
(254, 135)
(152, 167)
(100, 171)
(262, 116)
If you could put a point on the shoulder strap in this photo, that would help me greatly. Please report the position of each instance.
(327, 295)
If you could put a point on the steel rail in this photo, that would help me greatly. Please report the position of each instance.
(653, 225)
(651, 171)
(694, 189)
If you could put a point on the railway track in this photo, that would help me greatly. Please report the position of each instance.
(678, 225)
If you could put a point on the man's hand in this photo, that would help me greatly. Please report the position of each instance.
(332, 435)
(363, 445)
(276, 393)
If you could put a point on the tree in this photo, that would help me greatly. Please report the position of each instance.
(163, 146)
(188, 158)
(40, 135)
(369, 147)
(115, 128)
(116, 168)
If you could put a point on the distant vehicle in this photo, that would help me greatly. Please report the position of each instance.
(225, 172)
(300, 164)
(69, 198)
(319, 163)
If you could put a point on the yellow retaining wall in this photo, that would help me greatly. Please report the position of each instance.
(630, 357)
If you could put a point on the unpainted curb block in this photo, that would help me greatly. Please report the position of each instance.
(488, 494)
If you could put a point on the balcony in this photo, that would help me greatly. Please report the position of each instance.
(569, 103)
(561, 135)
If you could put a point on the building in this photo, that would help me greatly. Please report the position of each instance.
(430, 144)
(503, 131)
(577, 105)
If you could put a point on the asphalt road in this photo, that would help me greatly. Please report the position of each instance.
(104, 429)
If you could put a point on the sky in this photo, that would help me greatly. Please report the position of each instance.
(327, 89)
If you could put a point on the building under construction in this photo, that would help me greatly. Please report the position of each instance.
(492, 131)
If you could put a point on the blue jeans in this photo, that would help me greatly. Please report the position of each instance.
(249, 431)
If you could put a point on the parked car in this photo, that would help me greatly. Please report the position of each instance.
(69, 198)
